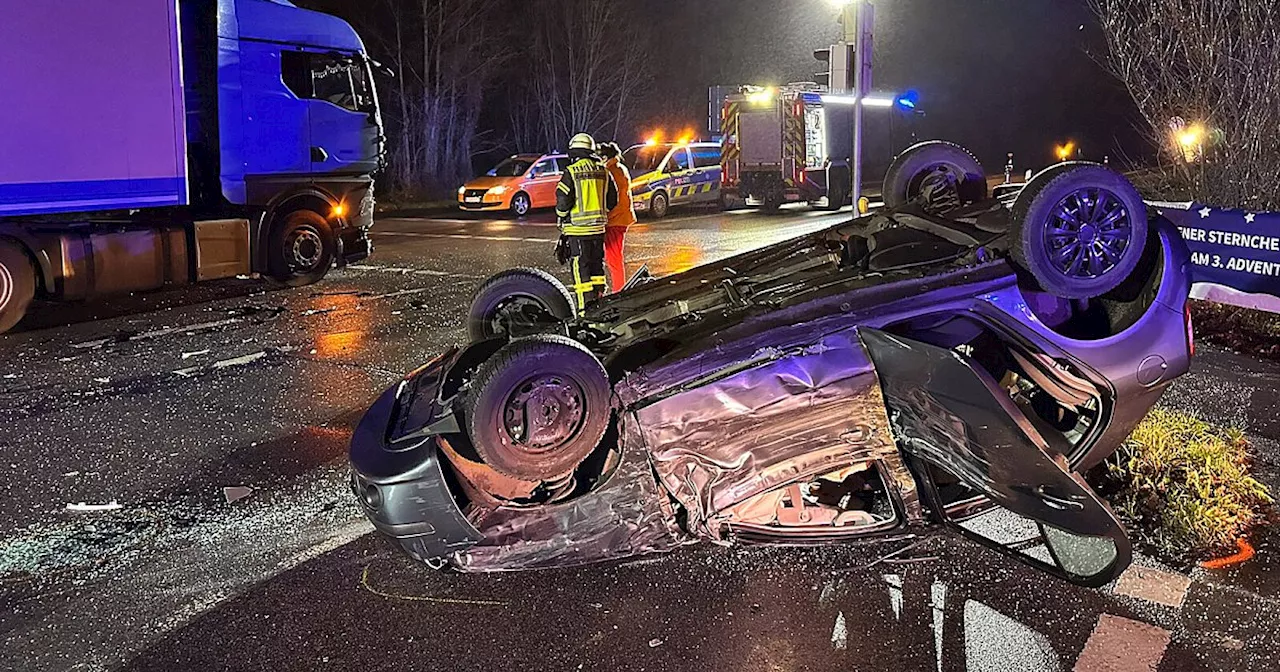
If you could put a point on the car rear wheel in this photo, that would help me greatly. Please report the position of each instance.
(939, 176)
(518, 302)
(538, 407)
(520, 204)
(17, 285)
(302, 248)
(659, 205)
(1080, 230)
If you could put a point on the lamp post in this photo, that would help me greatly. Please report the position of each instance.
(858, 16)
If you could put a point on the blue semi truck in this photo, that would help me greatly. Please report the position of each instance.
(152, 143)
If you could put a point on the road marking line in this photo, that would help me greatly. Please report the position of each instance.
(364, 583)
(460, 236)
(1153, 585)
(157, 333)
(1122, 645)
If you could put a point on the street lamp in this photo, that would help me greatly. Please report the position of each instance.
(1064, 152)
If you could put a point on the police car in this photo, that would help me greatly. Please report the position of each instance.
(673, 174)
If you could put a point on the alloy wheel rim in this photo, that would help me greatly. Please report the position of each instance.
(1088, 233)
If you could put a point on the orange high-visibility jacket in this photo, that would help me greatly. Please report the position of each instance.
(624, 213)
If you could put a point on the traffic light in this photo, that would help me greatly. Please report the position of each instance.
(838, 77)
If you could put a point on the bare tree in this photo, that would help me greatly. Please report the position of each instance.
(585, 70)
(1208, 63)
(446, 54)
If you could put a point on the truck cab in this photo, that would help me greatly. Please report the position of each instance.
(223, 138)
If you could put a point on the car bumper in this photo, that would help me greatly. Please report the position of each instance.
(402, 485)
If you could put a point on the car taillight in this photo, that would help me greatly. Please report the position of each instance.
(1191, 332)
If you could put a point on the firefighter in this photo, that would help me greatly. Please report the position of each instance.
(620, 217)
(584, 197)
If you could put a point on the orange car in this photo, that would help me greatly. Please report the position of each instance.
(519, 184)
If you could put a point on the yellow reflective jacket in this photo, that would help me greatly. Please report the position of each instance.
(584, 197)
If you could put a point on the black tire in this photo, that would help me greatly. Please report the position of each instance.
(17, 284)
(550, 377)
(772, 203)
(938, 175)
(659, 205)
(838, 192)
(1088, 253)
(301, 249)
(518, 302)
(521, 205)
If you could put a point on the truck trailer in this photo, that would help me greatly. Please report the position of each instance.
(785, 144)
(154, 143)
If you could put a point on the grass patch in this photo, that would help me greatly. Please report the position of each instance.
(1253, 332)
(1183, 486)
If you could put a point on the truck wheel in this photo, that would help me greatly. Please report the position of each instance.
(17, 285)
(659, 205)
(836, 196)
(1079, 230)
(518, 302)
(772, 203)
(938, 175)
(538, 407)
(301, 249)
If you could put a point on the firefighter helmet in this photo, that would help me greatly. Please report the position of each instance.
(583, 141)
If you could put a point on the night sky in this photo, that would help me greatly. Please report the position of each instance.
(996, 76)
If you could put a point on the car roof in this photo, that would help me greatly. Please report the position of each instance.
(539, 157)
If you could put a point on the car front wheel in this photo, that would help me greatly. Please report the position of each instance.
(520, 204)
(538, 407)
(659, 206)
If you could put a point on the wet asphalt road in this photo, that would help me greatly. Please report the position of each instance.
(157, 402)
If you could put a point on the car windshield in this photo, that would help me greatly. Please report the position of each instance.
(511, 168)
(643, 160)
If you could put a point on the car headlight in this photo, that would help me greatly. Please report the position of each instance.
(499, 190)
(462, 190)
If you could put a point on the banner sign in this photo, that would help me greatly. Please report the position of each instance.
(1235, 254)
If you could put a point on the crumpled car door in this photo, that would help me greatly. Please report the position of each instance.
(950, 417)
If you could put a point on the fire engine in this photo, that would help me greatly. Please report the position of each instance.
(783, 144)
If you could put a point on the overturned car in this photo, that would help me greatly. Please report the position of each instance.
(955, 359)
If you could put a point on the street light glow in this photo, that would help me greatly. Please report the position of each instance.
(1064, 152)
(1191, 136)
